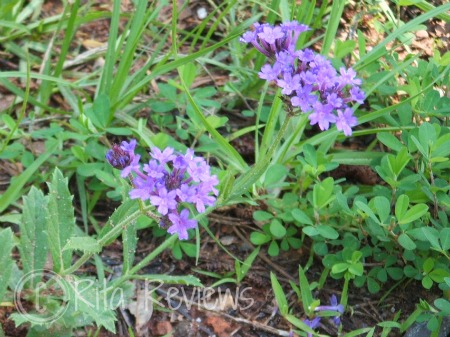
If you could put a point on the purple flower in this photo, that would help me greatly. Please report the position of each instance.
(322, 115)
(271, 34)
(345, 120)
(307, 78)
(334, 306)
(164, 200)
(168, 180)
(289, 83)
(269, 73)
(312, 324)
(133, 166)
(162, 157)
(181, 223)
(348, 76)
(143, 188)
(121, 156)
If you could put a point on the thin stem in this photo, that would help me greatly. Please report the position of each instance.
(158, 250)
(115, 231)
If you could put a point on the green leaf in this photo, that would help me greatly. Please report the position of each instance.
(100, 114)
(258, 238)
(173, 279)
(277, 229)
(280, 297)
(15, 188)
(356, 269)
(444, 237)
(373, 286)
(339, 268)
(301, 217)
(246, 265)
(6, 262)
(443, 305)
(438, 275)
(310, 231)
(305, 290)
(60, 221)
(84, 243)
(262, 216)
(427, 283)
(428, 265)
(275, 173)
(33, 237)
(129, 241)
(327, 232)
(405, 241)
(414, 213)
(273, 250)
(382, 207)
(323, 193)
(366, 209)
(125, 210)
(401, 206)
(83, 296)
(390, 141)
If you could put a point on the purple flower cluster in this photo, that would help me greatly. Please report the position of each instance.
(334, 306)
(168, 181)
(307, 78)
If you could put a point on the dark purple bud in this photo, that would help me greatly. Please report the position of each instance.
(118, 158)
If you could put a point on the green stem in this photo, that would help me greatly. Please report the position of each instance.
(114, 232)
(249, 178)
(158, 250)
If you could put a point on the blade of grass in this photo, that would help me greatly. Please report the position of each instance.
(15, 189)
(330, 33)
(106, 76)
(374, 54)
(234, 158)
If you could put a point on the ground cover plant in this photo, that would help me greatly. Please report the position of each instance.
(277, 168)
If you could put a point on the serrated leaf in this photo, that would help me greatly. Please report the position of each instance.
(33, 238)
(126, 209)
(129, 240)
(6, 262)
(60, 221)
(84, 243)
(83, 296)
